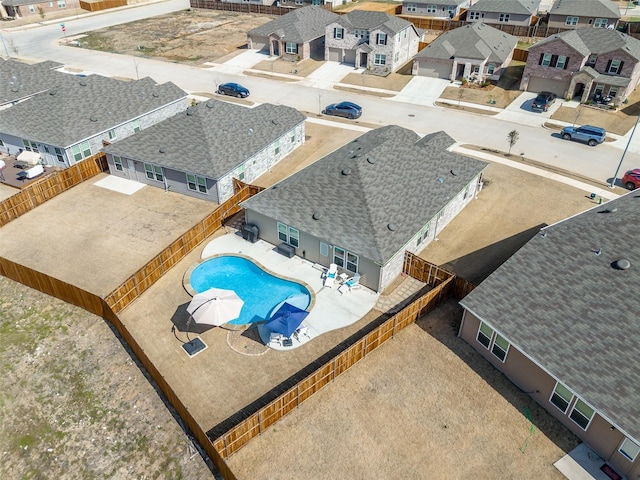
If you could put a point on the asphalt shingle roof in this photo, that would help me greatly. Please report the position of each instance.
(385, 177)
(85, 107)
(586, 8)
(211, 138)
(598, 41)
(368, 20)
(19, 80)
(568, 309)
(527, 7)
(476, 41)
(300, 25)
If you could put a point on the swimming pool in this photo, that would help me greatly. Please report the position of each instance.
(261, 291)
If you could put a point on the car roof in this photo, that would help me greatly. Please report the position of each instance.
(350, 104)
(591, 127)
(233, 84)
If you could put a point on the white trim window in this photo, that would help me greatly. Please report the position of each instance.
(474, 15)
(154, 172)
(504, 17)
(112, 134)
(240, 172)
(593, 58)
(338, 33)
(582, 414)
(381, 39)
(490, 69)
(299, 2)
(423, 234)
(338, 256)
(432, 9)
(561, 397)
(380, 59)
(291, 47)
(561, 62)
(276, 147)
(136, 126)
(493, 341)
(546, 60)
(62, 4)
(412, 7)
(601, 23)
(352, 262)
(117, 163)
(572, 21)
(196, 183)
(80, 151)
(361, 33)
(324, 249)
(614, 67)
(613, 91)
(59, 154)
(288, 235)
(629, 449)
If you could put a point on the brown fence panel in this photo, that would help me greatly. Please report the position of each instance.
(239, 7)
(380, 335)
(462, 288)
(348, 358)
(102, 5)
(424, 271)
(520, 55)
(314, 382)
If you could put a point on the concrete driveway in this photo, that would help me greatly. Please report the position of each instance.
(422, 91)
(239, 63)
(519, 111)
(328, 75)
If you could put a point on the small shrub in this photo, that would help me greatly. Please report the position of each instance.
(464, 81)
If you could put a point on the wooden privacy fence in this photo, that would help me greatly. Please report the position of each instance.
(52, 185)
(150, 273)
(520, 55)
(239, 7)
(102, 5)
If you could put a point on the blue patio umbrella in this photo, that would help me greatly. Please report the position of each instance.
(286, 319)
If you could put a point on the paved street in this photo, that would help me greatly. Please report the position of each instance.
(409, 108)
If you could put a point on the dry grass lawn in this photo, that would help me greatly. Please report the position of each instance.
(299, 69)
(394, 81)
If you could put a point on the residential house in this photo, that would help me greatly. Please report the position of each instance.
(39, 8)
(561, 319)
(296, 35)
(376, 41)
(476, 52)
(566, 14)
(582, 62)
(200, 151)
(304, 3)
(434, 8)
(364, 204)
(19, 80)
(504, 12)
(77, 116)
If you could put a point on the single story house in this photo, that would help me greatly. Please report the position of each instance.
(296, 35)
(434, 8)
(19, 80)
(566, 14)
(364, 204)
(200, 151)
(582, 62)
(39, 8)
(561, 319)
(76, 117)
(476, 52)
(376, 41)
(504, 12)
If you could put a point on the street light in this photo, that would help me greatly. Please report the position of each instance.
(615, 175)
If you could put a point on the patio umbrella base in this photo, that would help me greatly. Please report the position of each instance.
(194, 346)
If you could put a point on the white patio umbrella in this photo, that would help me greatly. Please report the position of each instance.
(215, 306)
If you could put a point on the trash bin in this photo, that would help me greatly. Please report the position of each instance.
(250, 232)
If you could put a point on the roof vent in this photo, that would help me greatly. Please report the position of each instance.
(355, 156)
(453, 172)
(93, 119)
(392, 227)
(161, 150)
(210, 103)
(82, 83)
(274, 121)
(371, 160)
(598, 252)
(317, 216)
(610, 210)
(440, 180)
(14, 89)
(155, 94)
(346, 171)
(189, 111)
(622, 264)
(543, 234)
(250, 131)
(51, 92)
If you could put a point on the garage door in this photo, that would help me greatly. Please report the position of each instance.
(335, 55)
(538, 84)
(260, 43)
(350, 57)
(434, 69)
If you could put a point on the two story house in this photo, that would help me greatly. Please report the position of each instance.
(435, 8)
(376, 41)
(582, 62)
(504, 12)
(569, 14)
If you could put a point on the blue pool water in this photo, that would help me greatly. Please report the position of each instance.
(261, 291)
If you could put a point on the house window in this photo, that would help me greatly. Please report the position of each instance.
(153, 172)
(240, 173)
(298, 2)
(361, 34)
(27, 145)
(491, 68)
(561, 62)
(276, 150)
(476, 69)
(613, 91)
(86, 149)
(629, 449)
(452, 11)
(77, 154)
(500, 347)
(293, 136)
(352, 262)
(294, 237)
(571, 21)
(474, 15)
(396, 57)
(411, 7)
(382, 39)
(32, 9)
(545, 61)
(288, 235)
(615, 66)
(600, 23)
(338, 33)
(599, 89)
(338, 256)
(561, 397)
(485, 334)
(431, 9)
(291, 47)
(136, 126)
(591, 61)
(112, 134)
(282, 232)
(117, 163)
(423, 235)
(504, 17)
(324, 249)
(380, 59)
(581, 414)
(316, 2)
(196, 183)
(62, 4)
(59, 154)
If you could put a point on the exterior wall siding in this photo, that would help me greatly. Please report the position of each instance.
(539, 385)
(42, 9)
(493, 18)
(560, 21)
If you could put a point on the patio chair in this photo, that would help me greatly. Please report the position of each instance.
(302, 330)
(330, 279)
(275, 338)
(353, 282)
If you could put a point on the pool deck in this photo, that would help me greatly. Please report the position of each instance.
(331, 309)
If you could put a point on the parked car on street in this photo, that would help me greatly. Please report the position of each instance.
(589, 134)
(543, 101)
(233, 89)
(631, 179)
(343, 109)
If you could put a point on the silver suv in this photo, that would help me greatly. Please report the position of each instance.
(587, 133)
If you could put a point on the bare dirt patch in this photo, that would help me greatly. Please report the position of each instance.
(299, 69)
(189, 36)
(393, 81)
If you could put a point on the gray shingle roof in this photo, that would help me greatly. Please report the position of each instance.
(19, 80)
(599, 41)
(211, 138)
(586, 8)
(368, 20)
(382, 177)
(476, 41)
(527, 7)
(435, 2)
(85, 107)
(571, 312)
(300, 25)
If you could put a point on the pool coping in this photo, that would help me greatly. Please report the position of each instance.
(186, 278)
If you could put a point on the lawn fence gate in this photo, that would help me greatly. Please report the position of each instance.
(232, 434)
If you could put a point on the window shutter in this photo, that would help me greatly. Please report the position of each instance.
(554, 61)
(608, 66)
(566, 63)
(620, 67)
(541, 58)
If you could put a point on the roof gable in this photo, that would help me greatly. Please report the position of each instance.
(300, 25)
(586, 8)
(526, 7)
(595, 41)
(367, 20)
